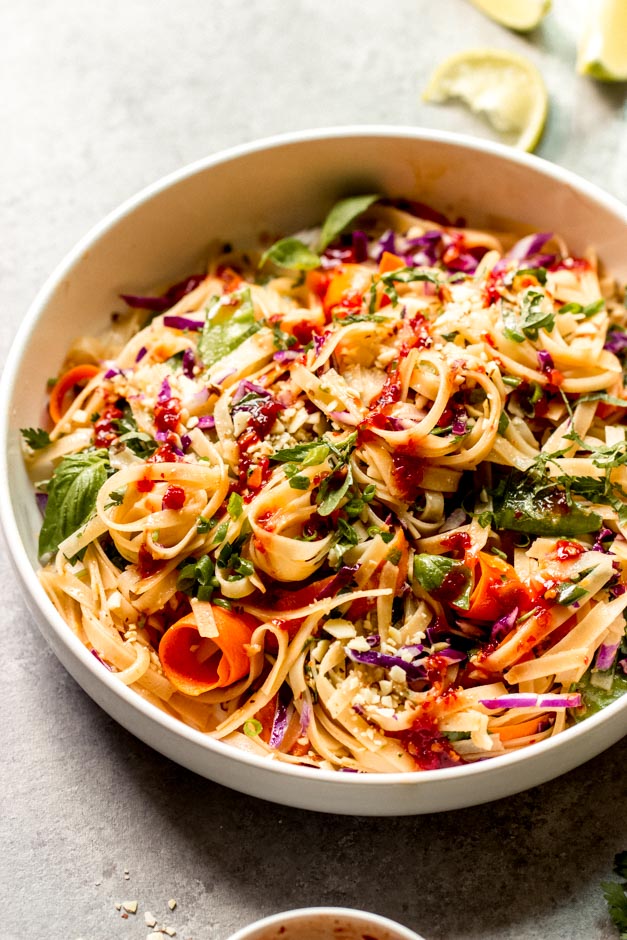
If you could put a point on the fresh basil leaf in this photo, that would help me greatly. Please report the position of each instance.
(313, 454)
(36, 438)
(530, 502)
(595, 698)
(291, 253)
(341, 215)
(331, 498)
(226, 327)
(533, 315)
(72, 493)
(431, 570)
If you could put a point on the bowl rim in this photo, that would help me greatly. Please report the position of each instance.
(67, 638)
(361, 917)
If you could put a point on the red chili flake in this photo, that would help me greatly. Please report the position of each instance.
(167, 414)
(173, 498)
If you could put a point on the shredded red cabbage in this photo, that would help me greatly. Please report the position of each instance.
(287, 355)
(503, 626)
(141, 353)
(245, 387)
(341, 579)
(189, 362)
(101, 660)
(606, 656)
(206, 422)
(516, 700)
(183, 323)
(602, 535)
(167, 300)
(616, 342)
(459, 425)
(545, 360)
(375, 658)
(42, 500)
(360, 246)
(165, 392)
(528, 246)
(280, 723)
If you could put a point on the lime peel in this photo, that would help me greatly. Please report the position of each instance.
(602, 51)
(521, 15)
(504, 87)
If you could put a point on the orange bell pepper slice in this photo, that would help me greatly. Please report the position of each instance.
(79, 375)
(347, 286)
(390, 262)
(497, 589)
(226, 664)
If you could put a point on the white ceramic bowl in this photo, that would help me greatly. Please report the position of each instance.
(325, 923)
(284, 184)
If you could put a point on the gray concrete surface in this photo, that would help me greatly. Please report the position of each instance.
(96, 101)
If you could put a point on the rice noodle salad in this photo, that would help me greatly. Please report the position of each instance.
(357, 501)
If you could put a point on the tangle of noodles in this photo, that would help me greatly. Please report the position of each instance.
(366, 513)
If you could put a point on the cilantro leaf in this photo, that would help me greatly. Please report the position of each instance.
(341, 215)
(36, 438)
(227, 327)
(72, 493)
(140, 443)
(616, 897)
(291, 253)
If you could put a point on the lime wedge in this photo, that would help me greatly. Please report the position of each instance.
(602, 52)
(504, 87)
(521, 15)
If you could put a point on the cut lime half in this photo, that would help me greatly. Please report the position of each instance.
(521, 15)
(502, 86)
(602, 51)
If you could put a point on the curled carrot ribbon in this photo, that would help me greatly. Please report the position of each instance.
(196, 664)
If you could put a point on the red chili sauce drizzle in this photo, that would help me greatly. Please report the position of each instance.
(146, 564)
(167, 414)
(174, 497)
(565, 550)
(431, 749)
(407, 473)
(105, 432)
